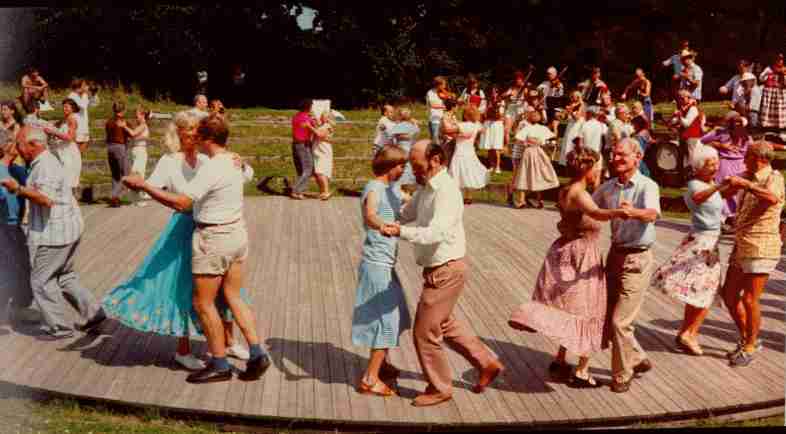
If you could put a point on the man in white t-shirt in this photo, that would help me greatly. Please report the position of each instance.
(436, 107)
(593, 130)
(220, 249)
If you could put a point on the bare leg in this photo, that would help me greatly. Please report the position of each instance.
(244, 318)
(730, 292)
(582, 369)
(694, 317)
(205, 290)
(229, 333)
(750, 300)
(375, 361)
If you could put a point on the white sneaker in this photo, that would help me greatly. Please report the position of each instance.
(238, 352)
(140, 203)
(190, 362)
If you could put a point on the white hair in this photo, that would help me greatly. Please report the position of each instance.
(551, 70)
(185, 120)
(633, 144)
(701, 155)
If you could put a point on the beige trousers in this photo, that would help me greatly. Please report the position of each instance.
(627, 279)
(434, 322)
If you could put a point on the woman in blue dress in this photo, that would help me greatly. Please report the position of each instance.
(157, 297)
(380, 313)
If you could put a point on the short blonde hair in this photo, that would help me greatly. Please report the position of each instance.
(183, 120)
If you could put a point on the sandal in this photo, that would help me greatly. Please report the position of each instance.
(688, 346)
(378, 389)
(297, 196)
(325, 196)
(577, 382)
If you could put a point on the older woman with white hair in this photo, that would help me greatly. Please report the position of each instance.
(157, 297)
(693, 273)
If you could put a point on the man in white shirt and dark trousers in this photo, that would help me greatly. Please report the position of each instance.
(440, 247)
(54, 233)
(220, 249)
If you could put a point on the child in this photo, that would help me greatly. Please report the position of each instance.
(493, 137)
(384, 125)
(534, 171)
(465, 167)
(405, 133)
(323, 155)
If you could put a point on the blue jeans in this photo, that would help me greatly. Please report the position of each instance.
(303, 156)
(434, 130)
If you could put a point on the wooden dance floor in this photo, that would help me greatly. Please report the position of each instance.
(302, 273)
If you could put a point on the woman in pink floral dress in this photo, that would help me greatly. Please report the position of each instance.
(569, 301)
(692, 275)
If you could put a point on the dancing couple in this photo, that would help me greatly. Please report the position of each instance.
(380, 313)
(207, 238)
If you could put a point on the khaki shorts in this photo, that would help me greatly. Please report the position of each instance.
(216, 248)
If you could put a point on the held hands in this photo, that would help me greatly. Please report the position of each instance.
(736, 182)
(10, 184)
(390, 230)
(134, 181)
(626, 209)
(237, 160)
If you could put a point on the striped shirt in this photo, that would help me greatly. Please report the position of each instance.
(61, 224)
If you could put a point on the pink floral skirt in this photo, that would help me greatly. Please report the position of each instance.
(569, 301)
(693, 273)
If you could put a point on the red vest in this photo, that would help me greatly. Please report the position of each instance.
(693, 131)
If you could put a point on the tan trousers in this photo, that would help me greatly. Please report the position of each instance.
(627, 279)
(434, 322)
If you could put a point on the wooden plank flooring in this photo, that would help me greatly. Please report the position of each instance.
(302, 274)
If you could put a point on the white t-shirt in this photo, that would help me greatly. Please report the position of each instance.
(435, 115)
(217, 191)
(82, 126)
(383, 137)
(592, 133)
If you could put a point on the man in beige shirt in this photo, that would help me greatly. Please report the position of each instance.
(440, 246)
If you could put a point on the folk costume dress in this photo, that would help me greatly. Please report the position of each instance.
(493, 137)
(465, 167)
(773, 100)
(535, 172)
(157, 298)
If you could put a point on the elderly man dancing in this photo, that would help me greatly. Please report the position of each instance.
(629, 265)
(440, 246)
(757, 246)
(220, 249)
(56, 227)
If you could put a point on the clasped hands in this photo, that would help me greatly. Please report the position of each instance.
(737, 183)
(390, 229)
(627, 209)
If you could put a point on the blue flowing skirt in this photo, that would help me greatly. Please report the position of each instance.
(157, 297)
(380, 314)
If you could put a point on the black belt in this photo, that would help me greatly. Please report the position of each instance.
(629, 250)
(207, 225)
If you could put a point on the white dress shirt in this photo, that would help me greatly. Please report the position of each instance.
(437, 210)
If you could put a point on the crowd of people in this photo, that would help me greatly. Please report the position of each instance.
(191, 282)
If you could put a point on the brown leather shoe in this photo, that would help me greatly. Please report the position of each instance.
(644, 366)
(429, 399)
(487, 376)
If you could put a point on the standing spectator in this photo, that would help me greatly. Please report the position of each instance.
(773, 97)
(9, 118)
(436, 106)
(200, 107)
(323, 155)
(746, 98)
(35, 88)
(642, 87)
(743, 67)
(139, 135)
(692, 274)
(303, 130)
(15, 266)
(64, 144)
(691, 77)
(534, 172)
(55, 231)
(117, 153)
(384, 126)
(629, 265)
(80, 94)
(757, 246)
(493, 137)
